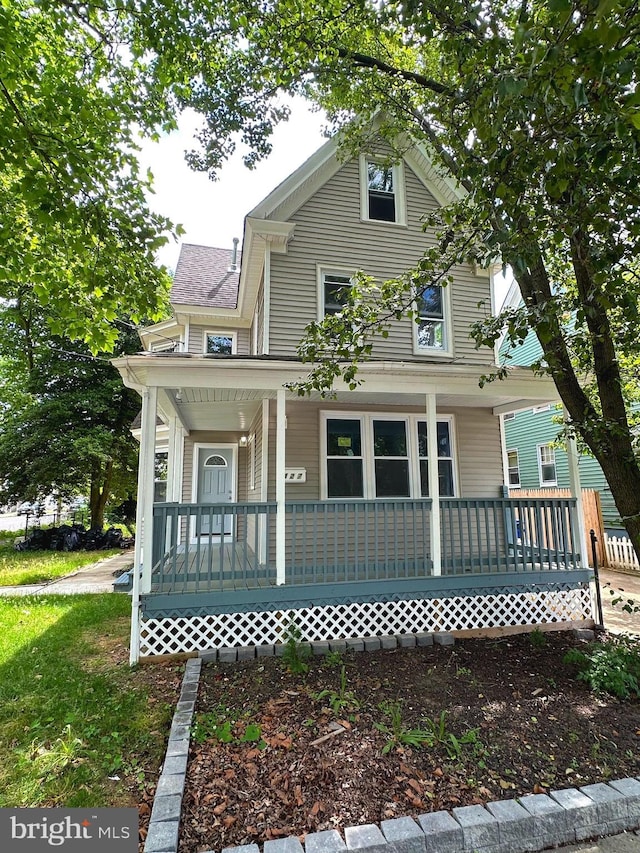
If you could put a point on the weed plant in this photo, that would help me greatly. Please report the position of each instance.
(611, 666)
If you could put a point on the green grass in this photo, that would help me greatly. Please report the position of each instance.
(24, 567)
(72, 712)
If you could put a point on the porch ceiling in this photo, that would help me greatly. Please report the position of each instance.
(228, 391)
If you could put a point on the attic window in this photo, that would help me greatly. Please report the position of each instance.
(382, 190)
(219, 343)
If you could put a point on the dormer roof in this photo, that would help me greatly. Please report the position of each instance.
(203, 277)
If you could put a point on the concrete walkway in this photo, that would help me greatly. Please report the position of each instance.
(627, 586)
(626, 842)
(96, 577)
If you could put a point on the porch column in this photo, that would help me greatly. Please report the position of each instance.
(576, 490)
(145, 484)
(281, 520)
(149, 401)
(434, 483)
(174, 459)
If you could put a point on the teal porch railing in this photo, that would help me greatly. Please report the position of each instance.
(333, 542)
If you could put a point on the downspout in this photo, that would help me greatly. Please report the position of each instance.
(266, 299)
(280, 488)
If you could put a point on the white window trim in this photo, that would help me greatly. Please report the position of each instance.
(537, 409)
(433, 352)
(553, 482)
(399, 191)
(511, 485)
(220, 334)
(368, 459)
(321, 271)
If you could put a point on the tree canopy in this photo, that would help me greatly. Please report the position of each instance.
(532, 107)
(65, 426)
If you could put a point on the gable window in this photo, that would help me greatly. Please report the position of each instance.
(430, 307)
(382, 194)
(547, 465)
(445, 459)
(334, 292)
(219, 343)
(513, 468)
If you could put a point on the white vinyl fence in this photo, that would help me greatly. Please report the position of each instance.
(620, 553)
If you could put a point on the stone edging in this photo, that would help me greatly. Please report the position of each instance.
(530, 823)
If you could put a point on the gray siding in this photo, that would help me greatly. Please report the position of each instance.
(329, 232)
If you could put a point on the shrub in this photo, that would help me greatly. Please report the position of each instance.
(611, 666)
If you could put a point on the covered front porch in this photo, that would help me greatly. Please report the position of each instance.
(275, 548)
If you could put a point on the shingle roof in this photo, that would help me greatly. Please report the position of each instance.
(202, 277)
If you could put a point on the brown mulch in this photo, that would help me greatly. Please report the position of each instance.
(530, 726)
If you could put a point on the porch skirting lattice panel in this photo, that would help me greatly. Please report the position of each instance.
(192, 629)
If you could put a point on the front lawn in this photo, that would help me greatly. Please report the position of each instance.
(18, 568)
(78, 727)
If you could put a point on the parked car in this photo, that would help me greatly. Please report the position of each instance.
(31, 508)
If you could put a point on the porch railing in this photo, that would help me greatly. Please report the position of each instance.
(334, 541)
(209, 546)
(232, 546)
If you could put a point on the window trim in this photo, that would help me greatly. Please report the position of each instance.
(399, 190)
(536, 410)
(433, 352)
(366, 419)
(219, 333)
(511, 485)
(539, 449)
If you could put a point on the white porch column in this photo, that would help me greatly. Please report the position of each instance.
(280, 486)
(434, 483)
(145, 483)
(148, 437)
(174, 459)
(576, 490)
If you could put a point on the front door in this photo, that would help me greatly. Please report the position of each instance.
(216, 485)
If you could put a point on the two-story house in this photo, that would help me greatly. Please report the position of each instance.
(377, 512)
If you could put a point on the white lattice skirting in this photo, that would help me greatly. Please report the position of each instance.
(348, 621)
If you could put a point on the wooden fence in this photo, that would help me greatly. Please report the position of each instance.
(592, 515)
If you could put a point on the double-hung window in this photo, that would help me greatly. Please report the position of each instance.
(345, 472)
(384, 456)
(335, 290)
(431, 320)
(547, 465)
(513, 468)
(446, 480)
(391, 459)
(382, 191)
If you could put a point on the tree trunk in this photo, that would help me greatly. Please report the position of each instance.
(99, 492)
(608, 436)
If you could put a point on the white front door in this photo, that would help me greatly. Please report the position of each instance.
(216, 485)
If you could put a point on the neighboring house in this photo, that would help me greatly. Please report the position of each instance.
(377, 512)
(536, 455)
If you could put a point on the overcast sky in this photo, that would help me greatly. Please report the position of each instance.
(212, 212)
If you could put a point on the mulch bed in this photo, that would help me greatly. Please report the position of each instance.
(315, 751)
